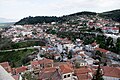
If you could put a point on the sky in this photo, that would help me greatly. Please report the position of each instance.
(18, 9)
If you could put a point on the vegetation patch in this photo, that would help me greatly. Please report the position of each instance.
(16, 58)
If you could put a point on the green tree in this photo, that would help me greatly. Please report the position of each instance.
(69, 55)
(118, 46)
(98, 75)
(109, 41)
(98, 53)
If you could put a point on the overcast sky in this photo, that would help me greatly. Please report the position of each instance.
(17, 9)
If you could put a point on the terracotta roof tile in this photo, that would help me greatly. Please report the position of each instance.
(34, 63)
(51, 69)
(65, 69)
(111, 71)
(21, 69)
(48, 73)
(115, 28)
(45, 61)
(82, 73)
(84, 77)
(6, 66)
(83, 70)
(101, 50)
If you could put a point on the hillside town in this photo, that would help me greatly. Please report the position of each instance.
(65, 58)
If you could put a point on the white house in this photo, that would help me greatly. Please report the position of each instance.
(110, 29)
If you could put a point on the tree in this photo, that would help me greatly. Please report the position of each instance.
(29, 76)
(101, 57)
(77, 64)
(101, 39)
(99, 30)
(109, 41)
(98, 53)
(69, 55)
(118, 46)
(98, 75)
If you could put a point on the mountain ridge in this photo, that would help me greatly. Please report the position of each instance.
(114, 15)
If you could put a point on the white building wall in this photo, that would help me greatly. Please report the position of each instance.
(67, 78)
(110, 78)
(4, 75)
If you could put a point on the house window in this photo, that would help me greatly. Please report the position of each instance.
(65, 76)
(68, 75)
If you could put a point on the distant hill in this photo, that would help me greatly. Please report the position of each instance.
(3, 25)
(83, 13)
(115, 15)
(38, 19)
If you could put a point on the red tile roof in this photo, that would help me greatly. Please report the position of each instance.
(82, 73)
(56, 64)
(48, 73)
(115, 28)
(45, 61)
(34, 63)
(111, 71)
(101, 50)
(84, 77)
(51, 69)
(21, 69)
(65, 69)
(83, 70)
(6, 66)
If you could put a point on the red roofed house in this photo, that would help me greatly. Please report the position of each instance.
(102, 50)
(6, 66)
(37, 65)
(46, 63)
(20, 70)
(66, 72)
(60, 72)
(83, 73)
(111, 73)
(110, 29)
(51, 73)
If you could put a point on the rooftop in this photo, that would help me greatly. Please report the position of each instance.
(101, 50)
(111, 71)
(65, 69)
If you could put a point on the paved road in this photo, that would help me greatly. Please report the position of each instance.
(20, 49)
